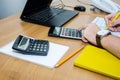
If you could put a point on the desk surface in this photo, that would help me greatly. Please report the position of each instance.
(16, 69)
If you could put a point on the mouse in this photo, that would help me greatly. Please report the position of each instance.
(80, 8)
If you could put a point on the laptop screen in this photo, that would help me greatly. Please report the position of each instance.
(40, 12)
(35, 5)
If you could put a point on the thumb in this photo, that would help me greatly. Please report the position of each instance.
(115, 23)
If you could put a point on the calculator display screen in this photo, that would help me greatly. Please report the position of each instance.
(24, 43)
(56, 31)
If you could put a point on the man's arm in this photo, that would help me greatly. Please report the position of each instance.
(109, 42)
(112, 44)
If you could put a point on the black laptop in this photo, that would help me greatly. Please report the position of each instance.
(40, 12)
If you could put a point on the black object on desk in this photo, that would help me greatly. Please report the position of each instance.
(65, 32)
(40, 12)
(31, 46)
(80, 8)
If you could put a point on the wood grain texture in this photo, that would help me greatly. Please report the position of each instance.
(16, 69)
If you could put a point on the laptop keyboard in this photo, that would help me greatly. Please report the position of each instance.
(46, 14)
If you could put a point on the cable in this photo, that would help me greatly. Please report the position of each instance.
(62, 5)
(85, 3)
(65, 5)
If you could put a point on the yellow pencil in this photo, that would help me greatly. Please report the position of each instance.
(115, 18)
(68, 57)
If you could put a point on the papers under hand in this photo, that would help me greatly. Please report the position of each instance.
(100, 22)
(55, 53)
(114, 19)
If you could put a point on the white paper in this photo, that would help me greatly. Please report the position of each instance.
(55, 53)
(100, 22)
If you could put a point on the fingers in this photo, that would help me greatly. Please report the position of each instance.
(109, 18)
(83, 38)
(115, 26)
(115, 23)
(116, 29)
(84, 27)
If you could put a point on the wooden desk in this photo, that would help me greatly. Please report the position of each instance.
(16, 69)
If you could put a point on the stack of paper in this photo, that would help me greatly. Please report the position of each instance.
(55, 53)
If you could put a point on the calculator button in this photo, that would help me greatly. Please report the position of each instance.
(39, 47)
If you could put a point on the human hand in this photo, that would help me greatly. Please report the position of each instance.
(89, 33)
(109, 18)
(114, 26)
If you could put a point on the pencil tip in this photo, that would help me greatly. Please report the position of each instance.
(56, 66)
